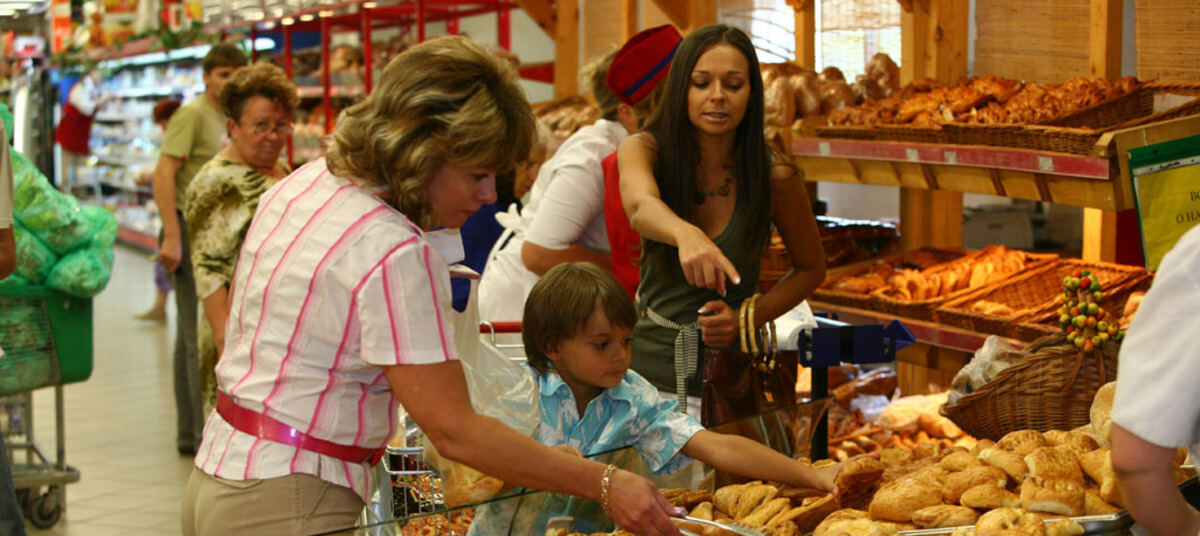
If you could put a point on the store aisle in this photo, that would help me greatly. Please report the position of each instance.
(120, 424)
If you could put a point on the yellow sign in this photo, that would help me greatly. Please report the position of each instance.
(1169, 206)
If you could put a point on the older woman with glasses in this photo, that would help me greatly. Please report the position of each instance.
(258, 103)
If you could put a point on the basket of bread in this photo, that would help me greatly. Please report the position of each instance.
(855, 287)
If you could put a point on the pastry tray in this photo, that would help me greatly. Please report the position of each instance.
(1117, 523)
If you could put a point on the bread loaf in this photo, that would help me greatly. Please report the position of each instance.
(1002, 519)
(898, 500)
(1063, 497)
(1022, 442)
(1012, 465)
(989, 497)
(1051, 463)
(1098, 465)
(961, 481)
(944, 516)
(1101, 412)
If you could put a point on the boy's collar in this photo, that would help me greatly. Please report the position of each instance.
(552, 383)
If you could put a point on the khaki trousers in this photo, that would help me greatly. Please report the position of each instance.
(296, 504)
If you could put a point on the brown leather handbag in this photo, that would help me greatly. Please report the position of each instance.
(757, 379)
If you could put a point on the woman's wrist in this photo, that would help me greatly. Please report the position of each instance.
(606, 487)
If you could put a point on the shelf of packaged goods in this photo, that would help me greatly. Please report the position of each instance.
(143, 190)
(137, 237)
(925, 331)
(1098, 180)
(312, 92)
(118, 162)
(157, 91)
(112, 118)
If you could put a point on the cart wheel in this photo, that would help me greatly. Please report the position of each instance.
(44, 510)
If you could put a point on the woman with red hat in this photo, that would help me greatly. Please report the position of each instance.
(702, 187)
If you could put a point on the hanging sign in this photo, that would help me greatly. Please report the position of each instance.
(1166, 186)
(60, 24)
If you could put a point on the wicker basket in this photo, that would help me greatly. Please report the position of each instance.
(847, 132)
(911, 134)
(1031, 294)
(1033, 137)
(826, 293)
(926, 309)
(1052, 389)
(1133, 108)
(1046, 323)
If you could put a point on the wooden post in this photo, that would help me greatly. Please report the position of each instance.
(701, 13)
(914, 32)
(566, 49)
(1099, 235)
(946, 50)
(1104, 61)
(806, 32)
(629, 19)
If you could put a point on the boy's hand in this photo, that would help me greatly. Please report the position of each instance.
(718, 324)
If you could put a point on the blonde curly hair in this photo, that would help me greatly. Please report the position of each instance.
(445, 101)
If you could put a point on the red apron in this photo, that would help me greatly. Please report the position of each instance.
(624, 241)
(74, 130)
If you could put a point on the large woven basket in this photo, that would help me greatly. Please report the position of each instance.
(1133, 108)
(847, 132)
(826, 293)
(1049, 390)
(1033, 137)
(1031, 294)
(912, 134)
(1046, 323)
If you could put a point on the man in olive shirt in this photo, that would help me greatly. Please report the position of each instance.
(195, 133)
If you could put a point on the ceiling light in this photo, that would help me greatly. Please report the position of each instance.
(306, 17)
(325, 13)
(287, 21)
(370, 5)
(7, 12)
(269, 25)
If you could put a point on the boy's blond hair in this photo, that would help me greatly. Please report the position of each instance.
(562, 301)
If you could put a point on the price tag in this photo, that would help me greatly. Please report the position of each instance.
(1045, 163)
(951, 157)
(823, 148)
(1166, 186)
(912, 155)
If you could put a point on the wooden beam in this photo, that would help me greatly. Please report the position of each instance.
(542, 13)
(946, 50)
(1104, 50)
(566, 49)
(806, 32)
(930, 218)
(629, 19)
(701, 13)
(914, 41)
(676, 10)
(1099, 235)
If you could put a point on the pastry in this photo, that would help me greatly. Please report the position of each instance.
(765, 513)
(961, 481)
(982, 444)
(798, 495)
(1064, 527)
(1095, 505)
(725, 499)
(1012, 465)
(927, 450)
(751, 497)
(826, 526)
(989, 497)
(859, 476)
(959, 461)
(1098, 465)
(1009, 519)
(898, 500)
(1051, 463)
(1101, 412)
(703, 510)
(1084, 442)
(784, 529)
(807, 516)
(931, 474)
(1064, 497)
(1021, 442)
(894, 456)
(943, 516)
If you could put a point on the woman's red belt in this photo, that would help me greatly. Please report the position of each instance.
(259, 425)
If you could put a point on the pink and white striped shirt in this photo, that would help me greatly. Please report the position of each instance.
(331, 284)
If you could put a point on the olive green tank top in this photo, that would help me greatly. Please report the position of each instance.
(669, 294)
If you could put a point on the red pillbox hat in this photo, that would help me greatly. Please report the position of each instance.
(642, 63)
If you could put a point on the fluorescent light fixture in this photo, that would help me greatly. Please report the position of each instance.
(325, 13)
(306, 17)
(269, 25)
(287, 21)
(7, 12)
(370, 5)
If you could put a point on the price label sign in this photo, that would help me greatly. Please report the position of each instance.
(1166, 186)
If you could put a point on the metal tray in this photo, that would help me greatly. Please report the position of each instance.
(1117, 523)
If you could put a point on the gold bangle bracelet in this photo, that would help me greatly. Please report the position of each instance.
(751, 328)
(605, 483)
(742, 325)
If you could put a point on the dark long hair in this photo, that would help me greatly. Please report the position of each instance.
(679, 154)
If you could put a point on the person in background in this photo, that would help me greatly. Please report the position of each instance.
(1155, 409)
(194, 134)
(74, 130)
(702, 187)
(562, 222)
(341, 308)
(635, 78)
(11, 523)
(163, 110)
(258, 103)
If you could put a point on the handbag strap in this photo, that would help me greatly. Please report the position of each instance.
(687, 352)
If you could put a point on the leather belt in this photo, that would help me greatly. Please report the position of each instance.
(262, 426)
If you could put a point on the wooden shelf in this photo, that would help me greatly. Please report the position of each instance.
(925, 331)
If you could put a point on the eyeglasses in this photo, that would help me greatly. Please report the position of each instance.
(260, 129)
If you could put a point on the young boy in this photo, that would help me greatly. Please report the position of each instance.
(576, 331)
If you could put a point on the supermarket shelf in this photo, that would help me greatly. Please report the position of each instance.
(144, 190)
(312, 92)
(109, 161)
(925, 331)
(135, 237)
(112, 118)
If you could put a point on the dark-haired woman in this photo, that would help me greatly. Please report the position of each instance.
(703, 189)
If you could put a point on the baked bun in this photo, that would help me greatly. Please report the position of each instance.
(1095, 505)
(944, 516)
(1002, 519)
(932, 474)
(1052, 463)
(1101, 412)
(1098, 465)
(1013, 465)
(961, 481)
(982, 444)
(1082, 442)
(809, 514)
(1063, 497)
(894, 456)
(765, 513)
(989, 497)
(859, 475)
(1064, 527)
(784, 529)
(703, 510)
(750, 497)
(1021, 442)
(959, 461)
(898, 500)
(927, 450)
(826, 527)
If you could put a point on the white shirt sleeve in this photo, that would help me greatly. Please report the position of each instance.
(6, 181)
(1159, 374)
(81, 97)
(575, 199)
(403, 309)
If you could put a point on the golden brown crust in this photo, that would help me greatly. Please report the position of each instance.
(944, 516)
(959, 461)
(751, 497)
(830, 523)
(894, 456)
(810, 514)
(1051, 463)
(1082, 442)
(898, 500)
(1012, 465)
(982, 444)
(1101, 411)
(1094, 505)
(1021, 442)
(1064, 527)
(989, 497)
(1002, 519)
(703, 510)
(725, 499)
(765, 513)
(961, 481)
(1063, 497)
(1098, 465)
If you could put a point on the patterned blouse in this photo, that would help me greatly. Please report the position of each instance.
(632, 414)
(219, 204)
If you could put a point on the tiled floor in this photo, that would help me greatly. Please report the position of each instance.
(120, 423)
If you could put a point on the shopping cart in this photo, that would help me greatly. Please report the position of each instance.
(45, 341)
